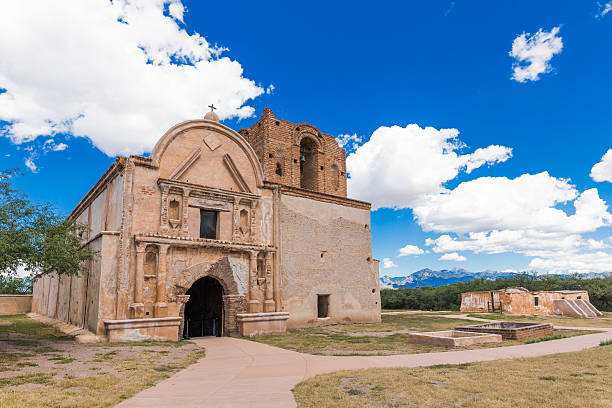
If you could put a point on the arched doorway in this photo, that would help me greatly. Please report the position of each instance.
(204, 309)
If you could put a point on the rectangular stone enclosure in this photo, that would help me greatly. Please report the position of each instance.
(453, 338)
(511, 330)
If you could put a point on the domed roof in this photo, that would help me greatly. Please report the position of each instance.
(211, 116)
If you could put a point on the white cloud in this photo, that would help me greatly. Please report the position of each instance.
(603, 9)
(59, 147)
(176, 10)
(349, 142)
(270, 89)
(453, 256)
(388, 263)
(527, 202)
(574, 263)
(29, 162)
(496, 215)
(402, 167)
(50, 145)
(410, 250)
(120, 73)
(533, 54)
(602, 171)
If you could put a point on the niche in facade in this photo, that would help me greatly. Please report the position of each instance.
(279, 169)
(261, 269)
(174, 212)
(244, 222)
(150, 266)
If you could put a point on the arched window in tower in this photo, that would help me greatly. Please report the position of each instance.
(335, 176)
(308, 164)
(279, 169)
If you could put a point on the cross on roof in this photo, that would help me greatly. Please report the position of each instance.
(212, 107)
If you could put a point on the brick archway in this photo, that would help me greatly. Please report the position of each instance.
(233, 301)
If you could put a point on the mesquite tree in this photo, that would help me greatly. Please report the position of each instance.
(34, 236)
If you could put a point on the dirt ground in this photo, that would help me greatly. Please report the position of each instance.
(58, 372)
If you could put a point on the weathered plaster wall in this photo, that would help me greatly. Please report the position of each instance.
(480, 301)
(15, 304)
(516, 302)
(183, 259)
(76, 299)
(326, 249)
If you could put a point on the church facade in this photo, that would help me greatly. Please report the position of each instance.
(221, 233)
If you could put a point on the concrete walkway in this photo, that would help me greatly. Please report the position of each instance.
(242, 373)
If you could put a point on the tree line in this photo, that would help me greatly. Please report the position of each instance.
(449, 297)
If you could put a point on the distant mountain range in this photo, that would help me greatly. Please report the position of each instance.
(428, 277)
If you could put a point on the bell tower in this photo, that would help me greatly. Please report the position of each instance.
(298, 155)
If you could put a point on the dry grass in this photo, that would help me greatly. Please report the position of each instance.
(42, 369)
(375, 339)
(555, 320)
(580, 379)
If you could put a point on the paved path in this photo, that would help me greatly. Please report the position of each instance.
(242, 373)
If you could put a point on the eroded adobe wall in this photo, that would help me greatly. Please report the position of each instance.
(326, 249)
(76, 299)
(15, 304)
(475, 301)
(524, 303)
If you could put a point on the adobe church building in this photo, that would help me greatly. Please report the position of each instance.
(221, 233)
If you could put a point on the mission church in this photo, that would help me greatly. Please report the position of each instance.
(221, 233)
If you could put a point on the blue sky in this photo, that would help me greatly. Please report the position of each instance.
(105, 78)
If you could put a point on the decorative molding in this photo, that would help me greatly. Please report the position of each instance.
(212, 141)
(186, 164)
(315, 195)
(231, 166)
(209, 204)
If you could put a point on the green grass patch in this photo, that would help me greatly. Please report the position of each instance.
(606, 342)
(546, 338)
(36, 378)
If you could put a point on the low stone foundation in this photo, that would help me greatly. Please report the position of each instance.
(253, 324)
(162, 328)
(15, 304)
(453, 338)
(511, 330)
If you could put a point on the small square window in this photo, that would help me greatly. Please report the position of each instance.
(322, 306)
(208, 224)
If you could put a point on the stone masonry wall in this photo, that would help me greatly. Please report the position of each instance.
(276, 142)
